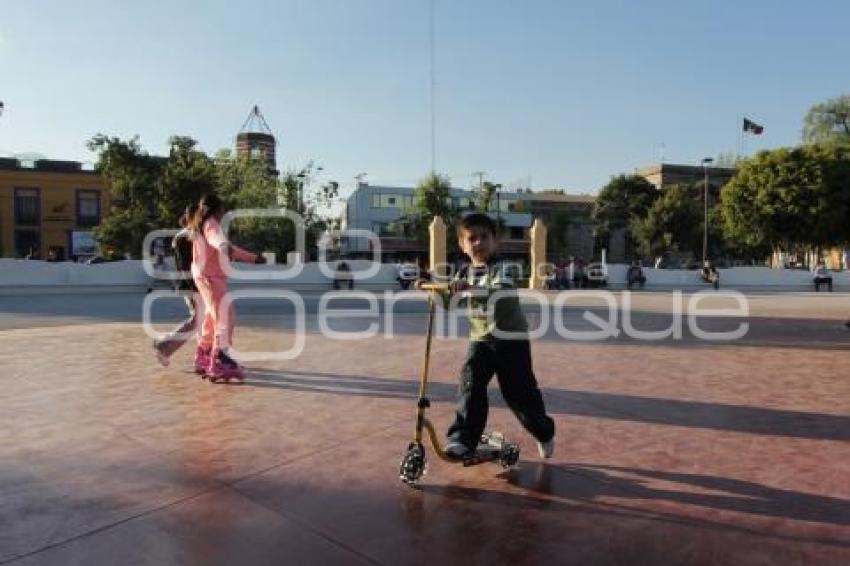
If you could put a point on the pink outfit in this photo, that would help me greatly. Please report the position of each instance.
(207, 254)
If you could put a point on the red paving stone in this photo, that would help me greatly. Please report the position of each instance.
(665, 454)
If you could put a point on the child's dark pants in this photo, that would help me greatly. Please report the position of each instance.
(510, 360)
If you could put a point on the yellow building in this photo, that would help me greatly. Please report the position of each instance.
(48, 208)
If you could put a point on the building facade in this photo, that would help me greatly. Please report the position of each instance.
(48, 208)
(569, 221)
(379, 210)
(665, 174)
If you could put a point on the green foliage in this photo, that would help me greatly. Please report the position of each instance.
(673, 222)
(828, 122)
(151, 192)
(188, 175)
(132, 173)
(623, 199)
(124, 231)
(133, 187)
(432, 198)
(557, 235)
(484, 195)
(247, 183)
(789, 197)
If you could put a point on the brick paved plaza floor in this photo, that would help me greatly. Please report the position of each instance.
(668, 452)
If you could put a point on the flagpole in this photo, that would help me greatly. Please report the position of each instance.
(740, 133)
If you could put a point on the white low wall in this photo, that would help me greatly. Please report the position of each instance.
(733, 277)
(22, 273)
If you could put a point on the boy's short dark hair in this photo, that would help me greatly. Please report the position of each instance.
(477, 220)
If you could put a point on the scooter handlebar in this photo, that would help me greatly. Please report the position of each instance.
(434, 287)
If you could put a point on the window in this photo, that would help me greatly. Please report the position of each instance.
(28, 243)
(27, 207)
(461, 202)
(88, 208)
(517, 233)
(391, 201)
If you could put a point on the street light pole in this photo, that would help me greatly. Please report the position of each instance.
(498, 188)
(705, 163)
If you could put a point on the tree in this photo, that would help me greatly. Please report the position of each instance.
(133, 179)
(432, 197)
(623, 199)
(151, 192)
(828, 121)
(787, 198)
(188, 175)
(833, 159)
(673, 222)
(483, 196)
(245, 182)
(557, 235)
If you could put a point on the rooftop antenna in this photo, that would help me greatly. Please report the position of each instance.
(255, 123)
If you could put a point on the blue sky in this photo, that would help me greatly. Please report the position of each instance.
(563, 93)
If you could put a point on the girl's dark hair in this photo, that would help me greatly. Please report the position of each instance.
(209, 205)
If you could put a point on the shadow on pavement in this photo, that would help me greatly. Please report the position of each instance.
(693, 414)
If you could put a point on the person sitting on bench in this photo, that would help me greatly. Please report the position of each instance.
(635, 276)
(710, 274)
(343, 276)
(822, 276)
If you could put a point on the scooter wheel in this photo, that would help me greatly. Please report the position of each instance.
(494, 439)
(509, 455)
(412, 464)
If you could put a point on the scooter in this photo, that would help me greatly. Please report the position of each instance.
(492, 446)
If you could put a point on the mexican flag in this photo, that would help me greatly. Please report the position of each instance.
(750, 126)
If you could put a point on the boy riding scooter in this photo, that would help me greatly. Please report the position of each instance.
(498, 344)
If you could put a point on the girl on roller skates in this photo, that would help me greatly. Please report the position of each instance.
(209, 249)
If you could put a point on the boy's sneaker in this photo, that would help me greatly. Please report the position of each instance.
(160, 357)
(202, 360)
(224, 368)
(545, 449)
(457, 450)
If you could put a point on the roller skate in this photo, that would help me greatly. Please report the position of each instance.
(202, 360)
(223, 368)
(161, 358)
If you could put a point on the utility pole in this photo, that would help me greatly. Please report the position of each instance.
(433, 86)
(480, 175)
(705, 162)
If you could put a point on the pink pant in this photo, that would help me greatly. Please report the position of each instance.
(217, 328)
